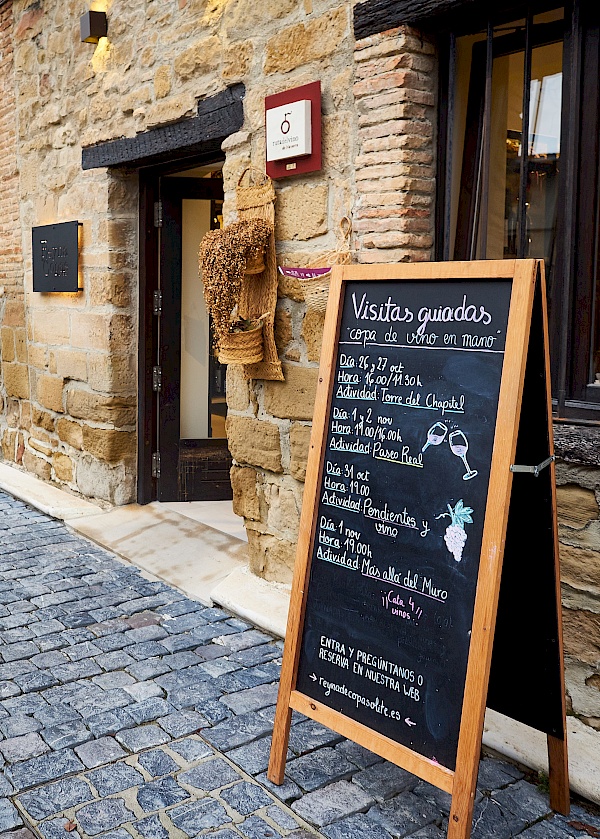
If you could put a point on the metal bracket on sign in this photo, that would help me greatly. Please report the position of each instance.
(533, 470)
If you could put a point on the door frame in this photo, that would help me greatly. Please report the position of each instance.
(149, 256)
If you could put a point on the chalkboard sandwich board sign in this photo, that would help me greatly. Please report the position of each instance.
(429, 515)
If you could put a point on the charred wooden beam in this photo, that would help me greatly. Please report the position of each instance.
(376, 16)
(218, 117)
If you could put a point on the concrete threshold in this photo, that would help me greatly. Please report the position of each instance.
(212, 566)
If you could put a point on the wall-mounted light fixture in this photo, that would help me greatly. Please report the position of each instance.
(93, 26)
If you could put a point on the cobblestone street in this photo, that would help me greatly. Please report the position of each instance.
(129, 710)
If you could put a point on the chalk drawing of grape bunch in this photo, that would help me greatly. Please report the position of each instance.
(455, 536)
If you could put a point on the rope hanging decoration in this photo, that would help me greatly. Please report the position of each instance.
(255, 198)
(224, 258)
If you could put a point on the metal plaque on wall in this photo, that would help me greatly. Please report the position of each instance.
(56, 257)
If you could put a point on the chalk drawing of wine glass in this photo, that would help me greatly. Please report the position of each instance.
(436, 435)
(459, 446)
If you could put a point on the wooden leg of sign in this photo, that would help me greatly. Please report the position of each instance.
(463, 799)
(281, 736)
(559, 775)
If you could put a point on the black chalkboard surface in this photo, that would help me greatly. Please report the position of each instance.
(401, 507)
(433, 378)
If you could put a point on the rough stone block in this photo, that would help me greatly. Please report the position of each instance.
(205, 53)
(151, 828)
(295, 397)
(239, 18)
(582, 635)
(357, 827)
(236, 60)
(71, 364)
(42, 419)
(19, 724)
(53, 798)
(99, 751)
(112, 373)
(37, 465)
(50, 326)
(9, 444)
(309, 735)
(158, 763)
(70, 432)
(63, 467)
(245, 496)
(16, 380)
(576, 506)
(192, 749)
(237, 731)
(66, 734)
(255, 442)
(252, 699)
(113, 288)
(100, 480)
(162, 81)
(245, 797)
(198, 816)
(283, 328)
(299, 448)
(580, 567)
(405, 813)
(302, 212)
(324, 34)
(312, 332)
(9, 816)
(143, 737)
(319, 768)
(160, 794)
(115, 778)
(288, 791)
(109, 444)
(209, 776)
(50, 392)
(384, 780)
(16, 749)
(101, 816)
(7, 337)
(361, 757)
(271, 557)
(86, 405)
(171, 109)
(39, 770)
(286, 50)
(238, 394)
(332, 803)
(256, 828)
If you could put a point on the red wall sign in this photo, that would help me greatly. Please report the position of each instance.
(311, 162)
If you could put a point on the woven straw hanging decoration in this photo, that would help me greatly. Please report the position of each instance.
(255, 197)
(316, 289)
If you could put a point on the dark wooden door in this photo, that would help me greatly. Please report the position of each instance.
(190, 470)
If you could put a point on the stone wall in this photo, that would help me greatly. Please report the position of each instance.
(69, 363)
(12, 317)
(379, 150)
(578, 479)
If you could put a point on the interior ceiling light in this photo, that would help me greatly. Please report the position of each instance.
(93, 26)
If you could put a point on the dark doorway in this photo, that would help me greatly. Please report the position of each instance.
(183, 447)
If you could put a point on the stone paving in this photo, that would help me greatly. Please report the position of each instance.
(129, 710)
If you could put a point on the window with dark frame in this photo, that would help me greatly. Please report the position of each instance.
(519, 170)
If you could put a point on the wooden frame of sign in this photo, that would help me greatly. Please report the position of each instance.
(397, 622)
